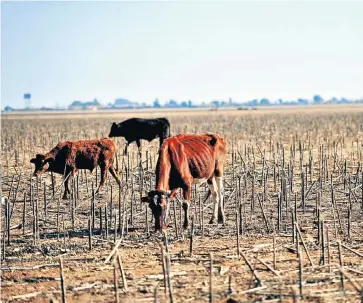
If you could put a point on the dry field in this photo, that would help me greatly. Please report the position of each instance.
(293, 201)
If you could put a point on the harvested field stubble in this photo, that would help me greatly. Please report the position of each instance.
(293, 201)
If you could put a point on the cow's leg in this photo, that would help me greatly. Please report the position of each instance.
(213, 189)
(186, 203)
(161, 139)
(67, 190)
(186, 213)
(220, 192)
(138, 143)
(113, 173)
(125, 151)
(164, 135)
(104, 170)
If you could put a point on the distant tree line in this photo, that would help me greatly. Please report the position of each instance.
(317, 99)
(126, 104)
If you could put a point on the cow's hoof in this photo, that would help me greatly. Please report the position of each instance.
(212, 221)
(65, 198)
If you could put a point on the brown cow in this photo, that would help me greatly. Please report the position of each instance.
(185, 160)
(69, 156)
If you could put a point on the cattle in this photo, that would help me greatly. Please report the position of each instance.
(184, 160)
(69, 156)
(135, 129)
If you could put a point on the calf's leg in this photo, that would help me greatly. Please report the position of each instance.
(113, 173)
(67, 190)
(103, 176)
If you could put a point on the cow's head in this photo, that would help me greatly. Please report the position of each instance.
(115, 130)
(41, 164)
(159, 206)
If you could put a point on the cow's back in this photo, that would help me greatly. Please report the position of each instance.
(200, 152)
(206, 145)
(82, 154)
(148, 129)
(164, 121)
(87, 154)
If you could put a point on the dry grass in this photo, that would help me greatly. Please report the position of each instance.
(268, 151)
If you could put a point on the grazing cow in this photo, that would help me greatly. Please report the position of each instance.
(69, 156)
(185, 160)
(135, 129)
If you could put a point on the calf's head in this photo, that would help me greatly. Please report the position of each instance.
(116, 130)
(159, 206)
(41, 164)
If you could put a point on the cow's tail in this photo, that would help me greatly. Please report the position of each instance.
(167, 128)
(167, 133)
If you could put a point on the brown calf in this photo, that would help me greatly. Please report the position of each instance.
(185, 160)
(69, 156)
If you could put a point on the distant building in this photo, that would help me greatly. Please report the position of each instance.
(124, 103)
(92, 107)
(85, 105)
(8, 109)
(76, 105)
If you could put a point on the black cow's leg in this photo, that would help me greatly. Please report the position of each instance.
(162, 137)
(138, 143)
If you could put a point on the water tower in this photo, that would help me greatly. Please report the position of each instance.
(27, 100)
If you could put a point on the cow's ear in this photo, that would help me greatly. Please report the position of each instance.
(114, 123)
(33, 160)
(144, 199)
(39, 158)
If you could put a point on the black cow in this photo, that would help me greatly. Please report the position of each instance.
(135, 129)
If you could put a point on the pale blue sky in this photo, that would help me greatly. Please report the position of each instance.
(65, 51)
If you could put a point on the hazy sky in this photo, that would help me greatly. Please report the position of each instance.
(65, 51)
